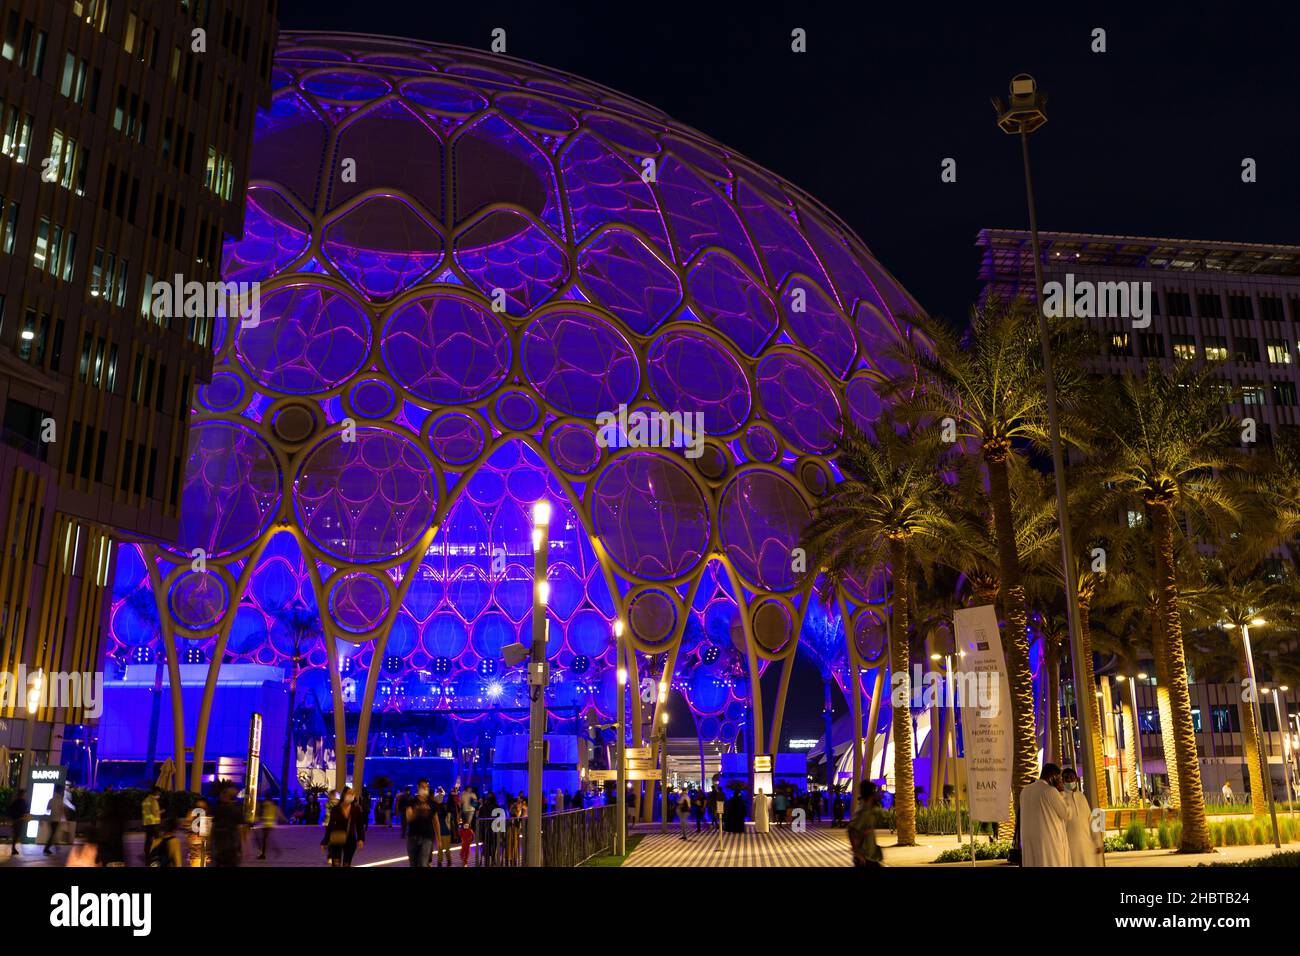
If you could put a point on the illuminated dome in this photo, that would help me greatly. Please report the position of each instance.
(467, 260)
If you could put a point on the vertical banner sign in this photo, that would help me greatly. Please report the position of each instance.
(985, 699)
(254, 766)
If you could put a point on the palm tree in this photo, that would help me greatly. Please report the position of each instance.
(1169, 450)
(889, 509)
(302, 626)
(986, 388)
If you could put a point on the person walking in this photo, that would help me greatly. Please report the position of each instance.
(444, 821)
(862, 828)
(166, 849)
(345, 831)
(697, 809)
(112, 830)
(150, 818)
(228, 830)
(268, 819)
(683, 811)
(779, 803)
(17, 812)
(419, 826)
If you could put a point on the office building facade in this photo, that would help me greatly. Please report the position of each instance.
(125, 128)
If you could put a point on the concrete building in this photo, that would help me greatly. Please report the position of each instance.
(125, 129)
(1230, 302)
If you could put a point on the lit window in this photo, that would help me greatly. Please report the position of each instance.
(1279, 352)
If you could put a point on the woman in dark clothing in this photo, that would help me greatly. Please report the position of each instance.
(345, 832)
(112, 831)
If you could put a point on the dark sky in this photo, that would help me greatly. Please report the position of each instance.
(1145, 139)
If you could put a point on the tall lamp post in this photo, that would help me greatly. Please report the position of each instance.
(1026, 112)
(29, 732)
(1283, 730)
(1136, 730)
(537, 677)
(663, 764)
(620, 798)
(1259, 721)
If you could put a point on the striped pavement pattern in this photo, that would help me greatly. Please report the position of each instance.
(815, 846)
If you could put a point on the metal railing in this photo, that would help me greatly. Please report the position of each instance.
(569, 838)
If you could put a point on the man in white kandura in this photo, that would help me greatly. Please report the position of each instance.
(1085, 845)
(1043, 818)
(762, 817)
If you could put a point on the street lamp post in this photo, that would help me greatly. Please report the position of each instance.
(1024, 113)
(620, 799)
(663, 766)
(537, 677)
(1259, 724)
(1282, 729)
(1136, 730)
(33, 705)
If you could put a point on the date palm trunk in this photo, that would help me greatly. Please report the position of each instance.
(1052, 704)
(900, 666)
(1165, 713)
(1024, 762)
(1130, 749)
(1250, 739)
(1087, 699)
(1196, 830)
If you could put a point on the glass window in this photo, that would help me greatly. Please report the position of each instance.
(1279, 352)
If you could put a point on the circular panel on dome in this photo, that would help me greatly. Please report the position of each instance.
(651, 516)
(712, 462)
(351, 86)
(761, 444)
(198, 600)
(799, 402)
(761, 518)
(579, 363)
(864, 404)
(358, 603)
(308, 339)
(223, 393)
(869, 637)
(772, 625)
(294, 424)
(456, 438)
(372, 398)
(814, 477)
(231, 490)
(652, 616)
(445, 349)
(691, 372)
(516, 410)
(365, 500)
(574, 449)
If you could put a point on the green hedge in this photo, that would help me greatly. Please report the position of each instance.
(1285, 858)
(997, 850)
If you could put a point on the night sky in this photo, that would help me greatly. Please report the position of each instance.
(1145, 139)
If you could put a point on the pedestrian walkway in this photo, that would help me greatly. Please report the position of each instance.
(782, 846)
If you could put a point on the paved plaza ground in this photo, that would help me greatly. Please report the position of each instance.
(817, 846)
